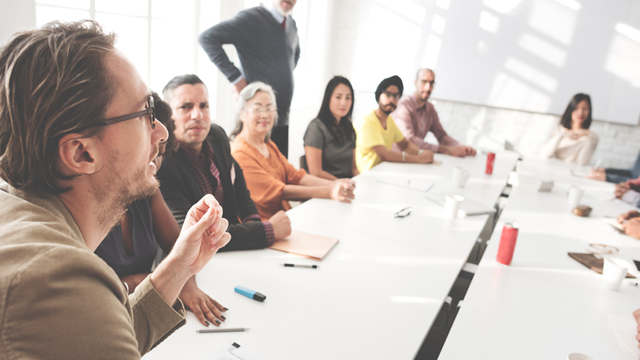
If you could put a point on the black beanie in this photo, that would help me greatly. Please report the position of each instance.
(394, 80)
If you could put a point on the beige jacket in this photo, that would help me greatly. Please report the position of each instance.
(58, 300)
(561, 146)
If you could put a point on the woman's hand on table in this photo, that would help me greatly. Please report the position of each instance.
(207, 310)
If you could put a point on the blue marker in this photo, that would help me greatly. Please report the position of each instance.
(250, 293)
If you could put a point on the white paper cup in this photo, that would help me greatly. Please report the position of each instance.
(460, 176)
(613, 272)
(578, 356)
(575, 195)
(452, 205)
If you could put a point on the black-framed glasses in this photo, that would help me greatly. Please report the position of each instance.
(392, 95)
(150, 111)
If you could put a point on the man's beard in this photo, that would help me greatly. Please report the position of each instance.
(119, 193)
(387, 109)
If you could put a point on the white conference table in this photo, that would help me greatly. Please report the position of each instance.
(376, 203)
(546, 305)
(375, 295)
(482, 188)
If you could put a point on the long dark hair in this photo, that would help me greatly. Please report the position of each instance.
(565, 120)
(346, 127)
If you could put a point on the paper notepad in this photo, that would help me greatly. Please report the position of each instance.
(592, 262)
(614, 222)
(304, 244)
(625, 330)
(579, 173)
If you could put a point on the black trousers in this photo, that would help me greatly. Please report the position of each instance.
(280, 136)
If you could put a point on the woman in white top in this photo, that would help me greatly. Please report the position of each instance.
(572, 141)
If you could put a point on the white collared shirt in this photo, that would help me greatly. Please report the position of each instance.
(274, 12)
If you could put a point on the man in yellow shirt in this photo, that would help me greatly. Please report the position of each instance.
(378, 132)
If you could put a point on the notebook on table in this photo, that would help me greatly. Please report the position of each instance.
(304, 244)
(592, 262)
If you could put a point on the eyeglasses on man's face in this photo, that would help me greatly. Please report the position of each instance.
(149, 112)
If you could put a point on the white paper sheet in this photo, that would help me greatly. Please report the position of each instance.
(413, 184)
(625, 330)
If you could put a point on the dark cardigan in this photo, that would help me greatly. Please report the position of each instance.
(181, 189)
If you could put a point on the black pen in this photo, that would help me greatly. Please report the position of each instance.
(302, 266)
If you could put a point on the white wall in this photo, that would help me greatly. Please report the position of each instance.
(619, 144)
(521, 54)
(16, 15)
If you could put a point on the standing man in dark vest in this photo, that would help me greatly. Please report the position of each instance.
(266, 38)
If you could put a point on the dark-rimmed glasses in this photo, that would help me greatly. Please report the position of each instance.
(149, 111)
(391, 95)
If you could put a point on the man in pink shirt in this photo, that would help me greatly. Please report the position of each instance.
(415, 117)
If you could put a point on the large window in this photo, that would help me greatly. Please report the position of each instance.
(160, 37)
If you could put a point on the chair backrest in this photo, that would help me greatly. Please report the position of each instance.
(303, 163)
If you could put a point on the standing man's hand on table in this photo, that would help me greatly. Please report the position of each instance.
(207, 310)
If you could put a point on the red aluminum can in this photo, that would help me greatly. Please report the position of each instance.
(491, 157)
(507, 243)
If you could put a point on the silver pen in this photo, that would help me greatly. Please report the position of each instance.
(597, 165)
(206, 331)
